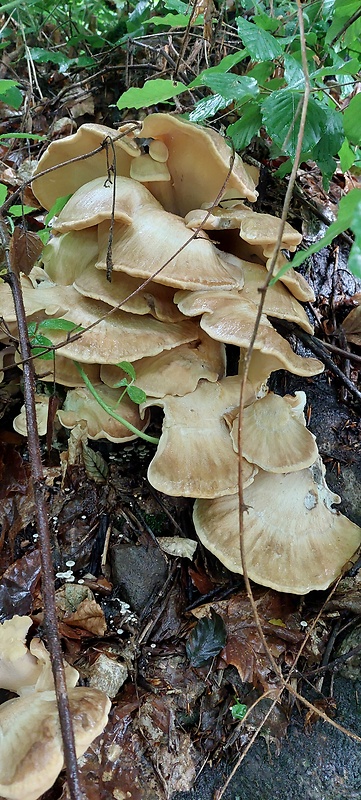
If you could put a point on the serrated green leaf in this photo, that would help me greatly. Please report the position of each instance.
(38, 340)
(208, 107)
(261, 45)
(95, 465)
(19, 211)
(153, 92)
(294, 74)
(206, 640)
(59, 325)
(232, 87)
(128, 368)
(58, 206)
(350, 68)
(137, 395)
(3, 193)
(242, 131)
(351, 120)
(281, 113)
(41, 56)
(44, 235)
(39, 353)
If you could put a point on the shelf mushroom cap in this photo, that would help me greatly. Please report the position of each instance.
(279, 302)
(229, 318)
(80, 404)
(31, 754)
(159, 242)
(294, 540)
(66, 256)
(120, 336)
(18, 667)
(176, 371)
(199, 162)
(67, 178)
(195, 457)
(153, 298)
(352, 326)
(92, 203)
(273, 436)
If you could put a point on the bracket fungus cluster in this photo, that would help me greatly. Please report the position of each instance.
(162, 266)
(31, 751)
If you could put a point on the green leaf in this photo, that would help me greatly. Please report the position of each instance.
(59, 325)
(3, 193)
(294, 74)
(206, 640)
(10, 94)
(19, 211)
(58, 206)
(281, 113)
(41, 56)
(170, 20)
(350, 68)
(33, 136)
(153, 92)
(32, 328)
(351, 120)
(345, 219)
(44, 235)
(119, 384)
(95, 465)
(242, 131)
(208, 107)
(128, 368)
(239, 710)
(232, 87)
(354, 262)
(261, 45)
(226, 64)
(137, 395)
(346, 156)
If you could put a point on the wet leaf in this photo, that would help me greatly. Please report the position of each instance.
(206, 640)
(95, 465)
(18, 585)
(25, 249)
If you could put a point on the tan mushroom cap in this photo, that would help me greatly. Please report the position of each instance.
(273, 437)
(279, 301)
(51, 299)
(195, 457)
(352, 326)
(92, 203)
(65, 257)
(147, 169)
(262, 254)
(119, 336)
(41, 410)
(153, 299)
(294, 541)
(229, 318)
(256, 229)
(177, 371)
(31, 746)
(199, 162)
(80, 404)
(156, 237)
(67, 179)
(65, 371)
(18, 667)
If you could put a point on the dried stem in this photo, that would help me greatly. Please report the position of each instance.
(37, 475)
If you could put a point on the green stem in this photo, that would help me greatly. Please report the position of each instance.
(110, 411)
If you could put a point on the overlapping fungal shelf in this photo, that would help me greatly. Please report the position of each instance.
(195, 296)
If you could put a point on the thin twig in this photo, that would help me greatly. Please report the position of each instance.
(48, 586)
